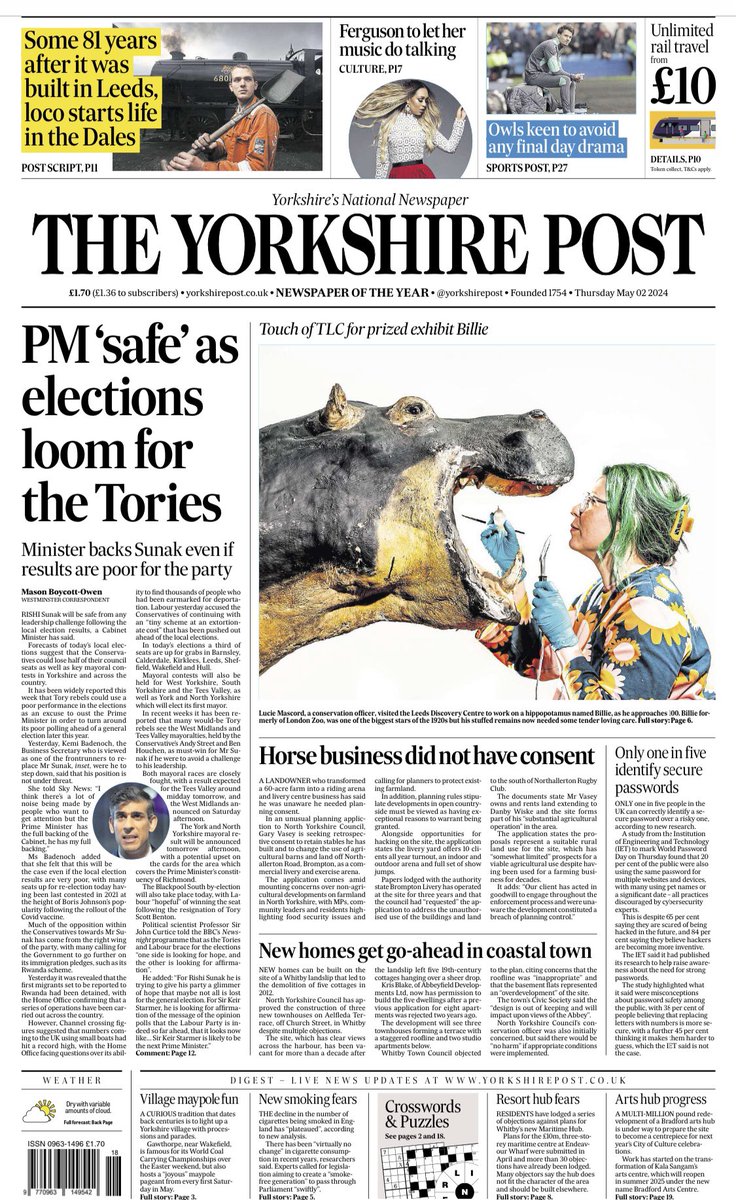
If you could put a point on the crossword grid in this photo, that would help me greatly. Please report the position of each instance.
(427, 1170)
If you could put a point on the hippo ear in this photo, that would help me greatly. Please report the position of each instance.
(338, 413)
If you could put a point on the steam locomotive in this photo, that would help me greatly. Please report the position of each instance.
(196, 98)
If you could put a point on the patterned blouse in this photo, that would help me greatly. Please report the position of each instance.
(635, 642)
(407, 143)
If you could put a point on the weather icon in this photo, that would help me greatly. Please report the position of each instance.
(42, 1112)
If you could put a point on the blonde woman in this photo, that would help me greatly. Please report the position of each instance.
(409, 119)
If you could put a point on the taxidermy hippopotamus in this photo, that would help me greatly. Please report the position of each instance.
(357, 523)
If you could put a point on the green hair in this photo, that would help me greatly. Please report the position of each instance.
(643, 508)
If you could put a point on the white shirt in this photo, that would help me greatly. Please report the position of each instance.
(407, 142)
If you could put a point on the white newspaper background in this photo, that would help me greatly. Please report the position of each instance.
(391, 920)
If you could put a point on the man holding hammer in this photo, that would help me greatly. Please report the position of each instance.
(250, 143)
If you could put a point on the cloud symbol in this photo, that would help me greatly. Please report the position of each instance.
(35, 1116)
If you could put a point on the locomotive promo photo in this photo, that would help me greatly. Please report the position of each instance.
(237, 96)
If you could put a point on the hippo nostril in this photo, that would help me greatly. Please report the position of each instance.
(538, 414)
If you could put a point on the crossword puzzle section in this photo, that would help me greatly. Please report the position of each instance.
(429, 1169)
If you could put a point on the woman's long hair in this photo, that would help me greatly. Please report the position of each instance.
(648, 515)
(386, 104)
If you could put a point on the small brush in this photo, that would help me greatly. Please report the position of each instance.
(482, 521)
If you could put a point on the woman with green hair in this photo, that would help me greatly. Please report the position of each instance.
(629, 636)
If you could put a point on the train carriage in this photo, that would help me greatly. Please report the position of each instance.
(683, 127)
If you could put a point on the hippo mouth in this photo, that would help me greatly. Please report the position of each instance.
(490, 596)
(480, 477)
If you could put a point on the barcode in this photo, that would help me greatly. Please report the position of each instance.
(113, 1175)
(66, 1168)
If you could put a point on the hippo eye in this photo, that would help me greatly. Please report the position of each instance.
(407, 409)
(538, 414)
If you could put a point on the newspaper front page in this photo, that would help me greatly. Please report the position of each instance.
(363, 456)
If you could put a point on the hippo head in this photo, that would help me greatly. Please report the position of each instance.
(357, 519)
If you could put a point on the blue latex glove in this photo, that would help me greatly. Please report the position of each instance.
(502, 545)
(550, 612)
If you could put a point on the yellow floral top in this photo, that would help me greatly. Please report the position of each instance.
(635, 642)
